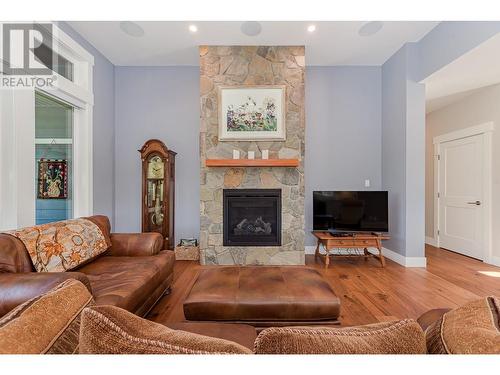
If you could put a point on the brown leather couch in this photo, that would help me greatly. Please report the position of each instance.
(133, 274)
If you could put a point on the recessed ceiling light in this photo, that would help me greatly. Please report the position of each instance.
(251, 28)
(370, 28)
(311, 28)
(132, 29)
(193, 28)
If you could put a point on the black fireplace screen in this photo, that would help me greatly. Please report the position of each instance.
(252, 217)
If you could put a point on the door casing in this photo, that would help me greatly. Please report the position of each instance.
(485, 130)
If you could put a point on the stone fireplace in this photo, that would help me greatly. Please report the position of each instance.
(232, 240)
(252, 217)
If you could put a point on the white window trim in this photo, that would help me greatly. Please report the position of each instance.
(53, 141)
(486, 130)
(17, 138)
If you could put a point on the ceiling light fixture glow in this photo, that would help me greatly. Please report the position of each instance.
(193, 28)
(311, 28)
(132, 29)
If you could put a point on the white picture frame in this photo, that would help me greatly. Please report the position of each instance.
(252, 113)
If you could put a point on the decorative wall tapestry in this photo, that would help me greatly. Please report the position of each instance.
(52, 179)
(252, 113)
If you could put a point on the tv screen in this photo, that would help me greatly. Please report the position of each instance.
(363, 211)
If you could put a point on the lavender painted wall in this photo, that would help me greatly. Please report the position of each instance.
(403, 153)
(450, 40)
(394, 146)
(135, 104)
(343, 141)
(343, 103)
(103, 127)
(158, 103)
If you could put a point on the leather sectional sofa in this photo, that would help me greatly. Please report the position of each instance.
(132, 274)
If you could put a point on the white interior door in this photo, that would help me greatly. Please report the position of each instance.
(461, 196)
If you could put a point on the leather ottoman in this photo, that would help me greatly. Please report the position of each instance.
(262, 297)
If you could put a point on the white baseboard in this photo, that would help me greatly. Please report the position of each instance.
(494, 261)
(405, 261)
(392, 255)
(431, 241)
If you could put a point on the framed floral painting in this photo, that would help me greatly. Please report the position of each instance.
(251, 113)
(52, 179)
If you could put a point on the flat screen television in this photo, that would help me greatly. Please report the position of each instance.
(350, 211)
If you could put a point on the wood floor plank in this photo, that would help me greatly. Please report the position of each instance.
(369, 293)
(468, 273)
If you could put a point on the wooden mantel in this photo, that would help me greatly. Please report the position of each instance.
(252, 162)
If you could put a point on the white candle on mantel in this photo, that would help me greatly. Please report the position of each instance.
(236, 154)
(265, 154)
(251, 154)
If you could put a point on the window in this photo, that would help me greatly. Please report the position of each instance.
(60, 65)
(53, 159)
(48, 124)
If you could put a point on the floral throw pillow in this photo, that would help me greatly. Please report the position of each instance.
(62, 246)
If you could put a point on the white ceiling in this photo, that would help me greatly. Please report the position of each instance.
(170, 43)
(476, 69)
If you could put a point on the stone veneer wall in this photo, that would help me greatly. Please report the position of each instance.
(252, 65)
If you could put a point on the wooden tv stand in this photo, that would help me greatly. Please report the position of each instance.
(356, 245)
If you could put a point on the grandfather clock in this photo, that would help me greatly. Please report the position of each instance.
(158, 185)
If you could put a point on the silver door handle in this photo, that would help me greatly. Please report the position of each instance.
(477, 203)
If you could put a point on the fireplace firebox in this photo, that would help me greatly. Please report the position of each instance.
(252, 217)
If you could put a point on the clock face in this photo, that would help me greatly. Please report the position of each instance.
(155, 167)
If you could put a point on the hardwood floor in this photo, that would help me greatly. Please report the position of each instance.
(370, 293)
